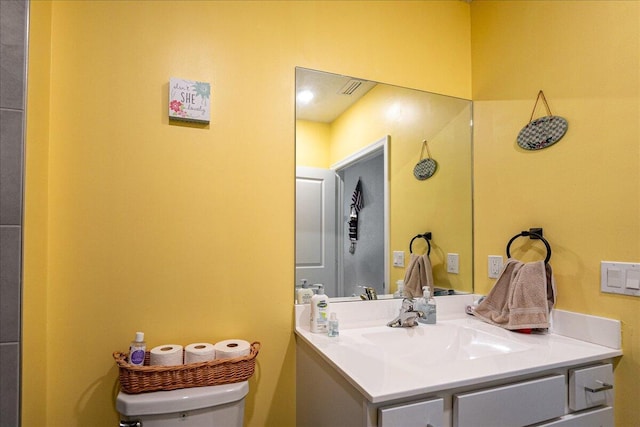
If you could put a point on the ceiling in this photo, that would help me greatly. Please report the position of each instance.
(333, 94)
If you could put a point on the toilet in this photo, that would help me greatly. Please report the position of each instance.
(212, 406)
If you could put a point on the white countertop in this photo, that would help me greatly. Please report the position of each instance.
(389, 363)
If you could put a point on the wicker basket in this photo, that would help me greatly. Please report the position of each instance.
(139, 379)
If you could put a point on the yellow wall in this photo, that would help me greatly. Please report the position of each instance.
(313, 140)
(584, 190)
(134, 223)
(185, 232)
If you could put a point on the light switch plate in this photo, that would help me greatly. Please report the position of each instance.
(620, 277)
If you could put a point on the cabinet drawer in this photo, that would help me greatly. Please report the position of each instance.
(591, 386)
(513, 405)
(423, 413)
(601, 417)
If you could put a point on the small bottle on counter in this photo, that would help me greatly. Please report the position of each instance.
(333, 328)
(137, 350)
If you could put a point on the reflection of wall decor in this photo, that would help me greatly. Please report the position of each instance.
(425, 167)
(189, 100)
(544, 131)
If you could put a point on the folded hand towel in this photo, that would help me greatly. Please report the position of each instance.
(522, 297)
(495, 307)
(419, 273)
(529, 306)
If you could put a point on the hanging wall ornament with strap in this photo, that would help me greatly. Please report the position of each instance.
(543, 131)
(425, 167)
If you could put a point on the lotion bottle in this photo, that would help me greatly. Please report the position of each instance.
(319, 310)
(137, 350)
(304, 293)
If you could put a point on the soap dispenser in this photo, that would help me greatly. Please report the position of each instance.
(304, 293)
(399, 293)
(430, 314)
(421, 305)
(319, 311)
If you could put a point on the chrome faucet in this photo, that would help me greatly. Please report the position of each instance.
(408, 317)
(369, 293)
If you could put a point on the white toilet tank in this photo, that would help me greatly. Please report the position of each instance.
(214, 406)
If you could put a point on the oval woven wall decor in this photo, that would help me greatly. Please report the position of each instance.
(425, 169)
(542, 133)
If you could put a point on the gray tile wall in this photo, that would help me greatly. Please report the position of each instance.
(13, 53)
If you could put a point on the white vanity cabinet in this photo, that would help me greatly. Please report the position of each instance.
(326, 398)
(518, 404)
(461, 372)
(423, 413)
(540, 402)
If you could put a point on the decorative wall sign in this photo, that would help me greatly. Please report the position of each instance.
(544, 131)
(189, 100)
(425, 167)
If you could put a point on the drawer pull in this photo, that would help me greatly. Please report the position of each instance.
(603, 386)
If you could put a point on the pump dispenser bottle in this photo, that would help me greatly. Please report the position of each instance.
(399, 293)
(431, 307)
(421, 305)
(319, 311)
(137, 350)
(304, 293)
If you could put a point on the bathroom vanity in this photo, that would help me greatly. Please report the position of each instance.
(461, 372)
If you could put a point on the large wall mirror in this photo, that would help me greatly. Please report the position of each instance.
(358, 202)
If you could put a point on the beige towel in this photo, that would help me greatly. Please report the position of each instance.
(419, 273)
(522, 297)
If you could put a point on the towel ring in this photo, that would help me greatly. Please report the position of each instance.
(426, 236)
(534, 233)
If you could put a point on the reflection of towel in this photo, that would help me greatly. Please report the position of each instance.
(418, 274)
(356, 198)
(522, 297)
(356, 205)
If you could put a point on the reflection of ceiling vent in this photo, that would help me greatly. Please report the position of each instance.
(351, 86)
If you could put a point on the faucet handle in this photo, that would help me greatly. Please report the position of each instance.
(407, 304)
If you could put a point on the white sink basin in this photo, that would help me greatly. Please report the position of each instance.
(430, 344)
(392, 363)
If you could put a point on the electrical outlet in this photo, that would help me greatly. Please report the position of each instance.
(495, 266)
(453, 263)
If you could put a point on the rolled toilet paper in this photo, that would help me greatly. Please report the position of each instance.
(228, 349)
(199, 352)
(166, 355)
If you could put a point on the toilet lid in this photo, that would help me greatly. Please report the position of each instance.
(185, 399)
